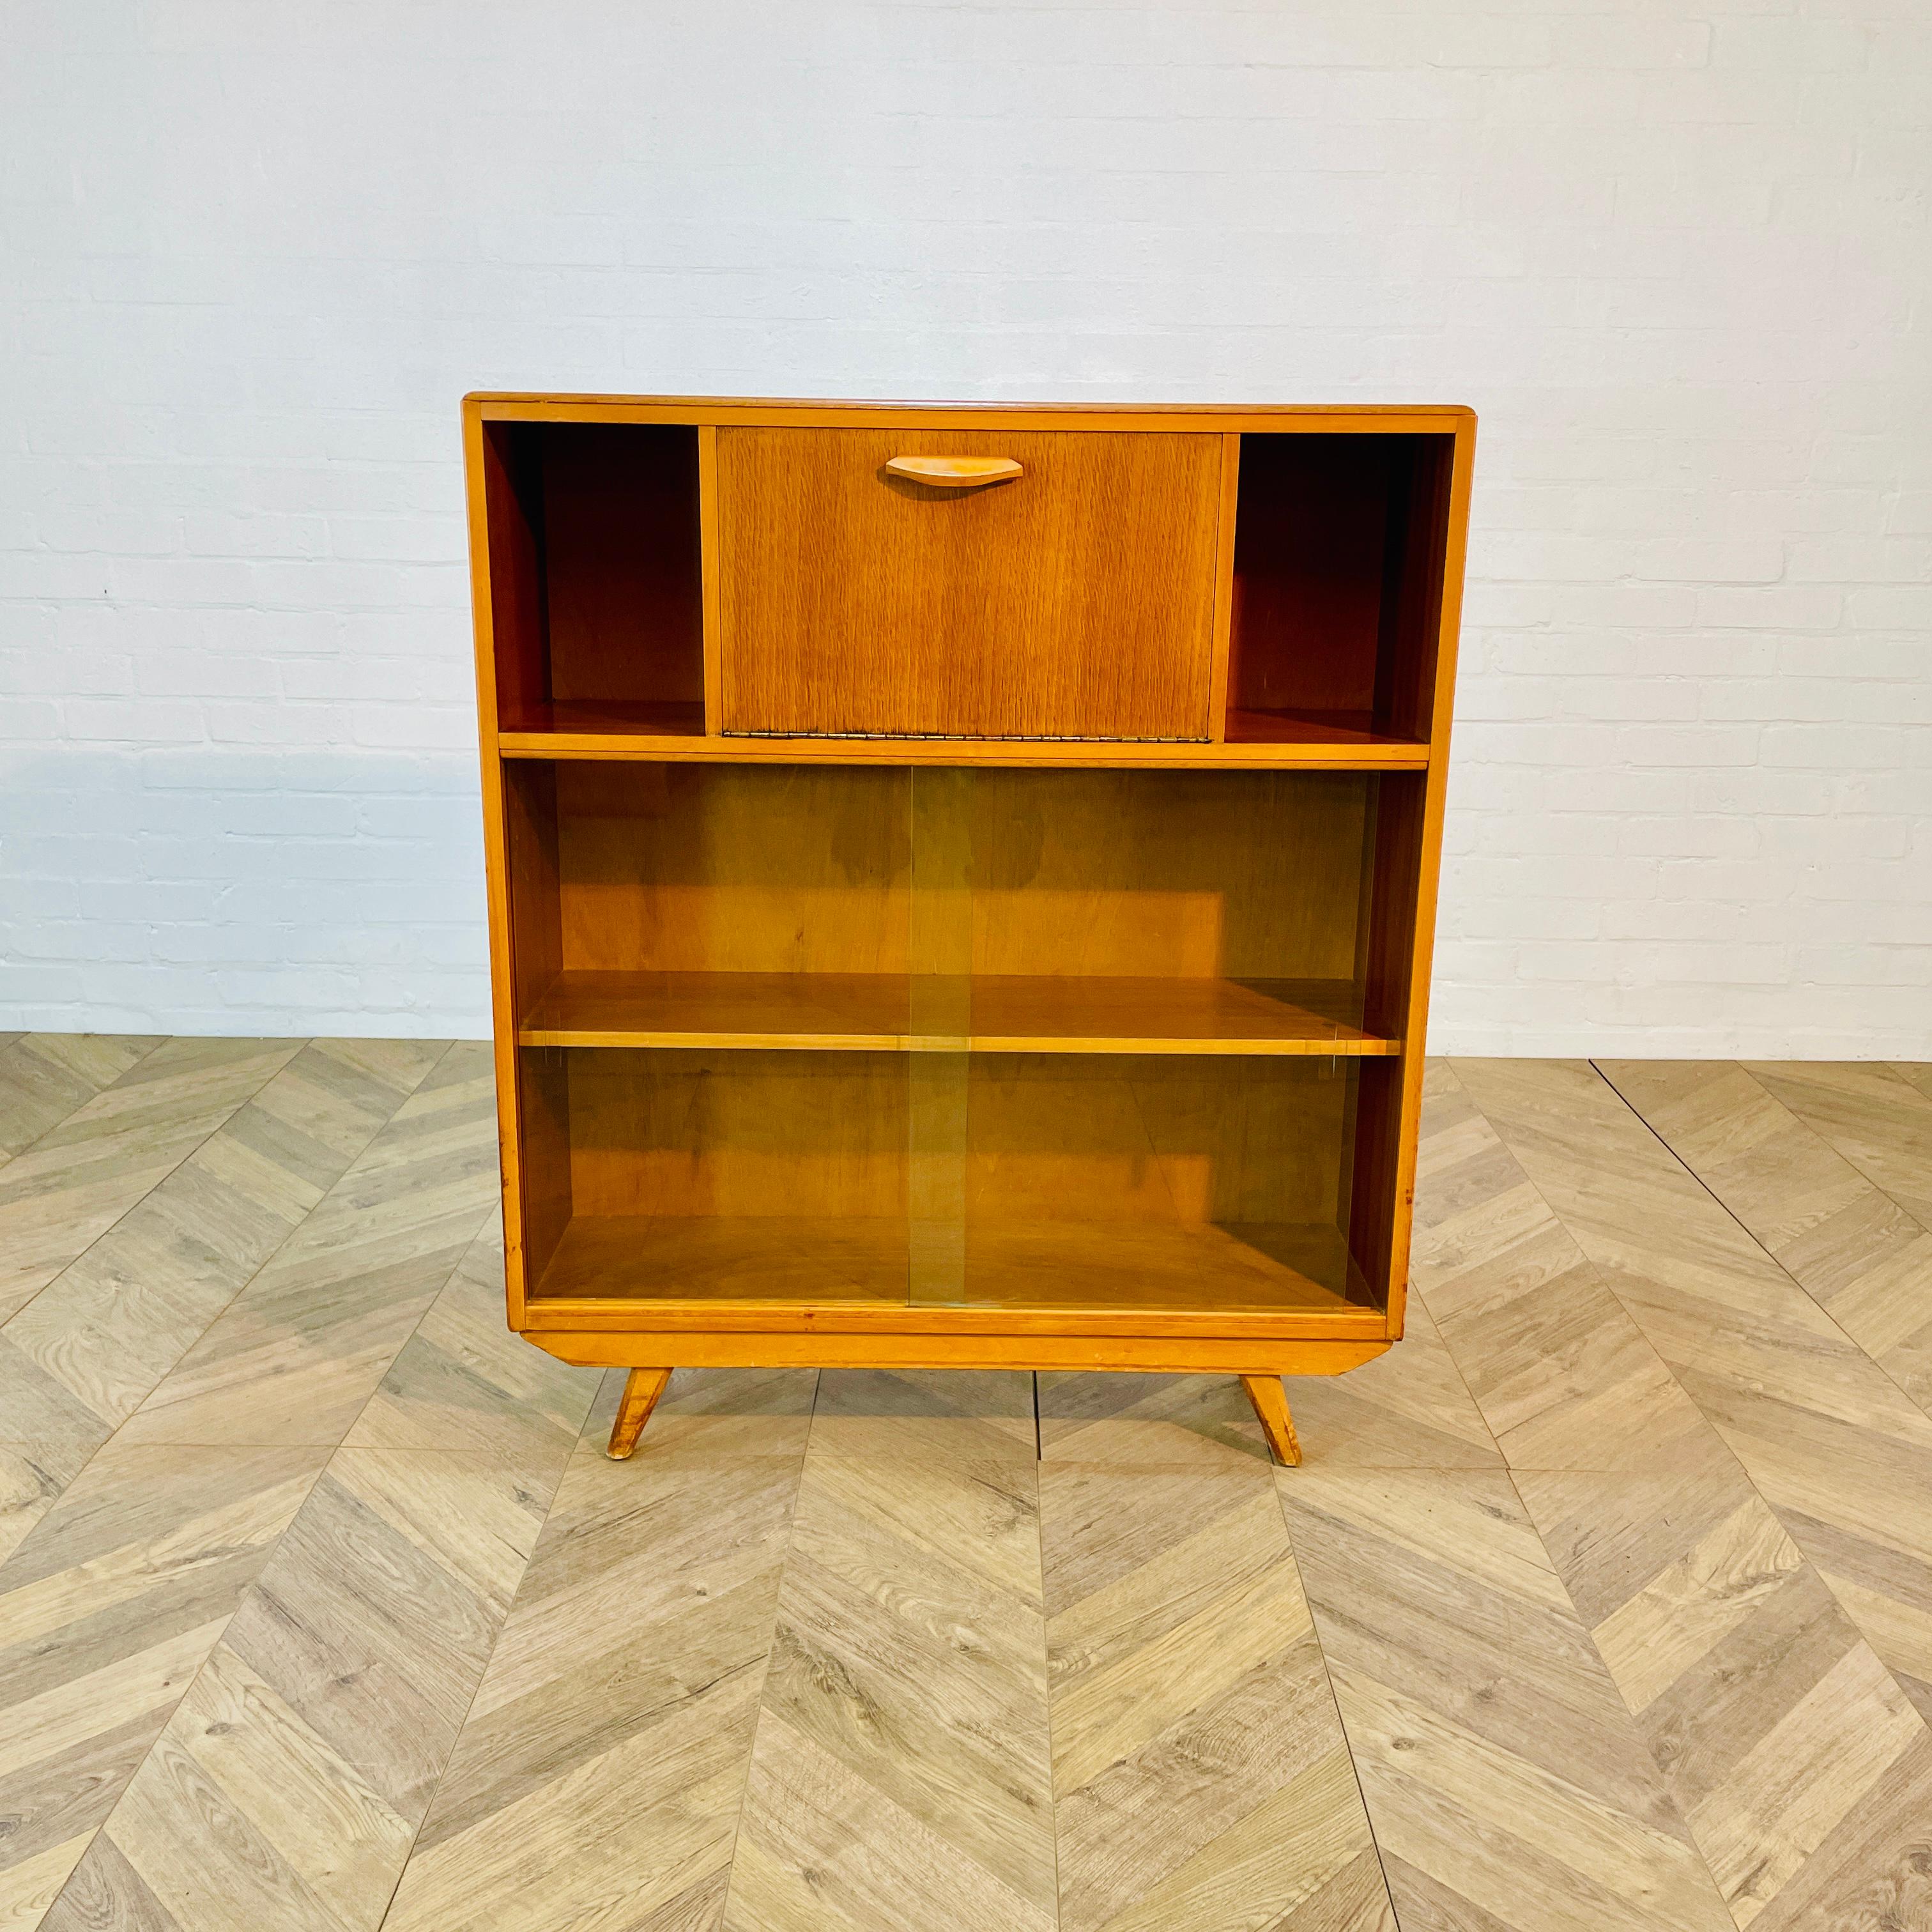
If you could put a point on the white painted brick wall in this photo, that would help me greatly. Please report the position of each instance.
(1677, 254)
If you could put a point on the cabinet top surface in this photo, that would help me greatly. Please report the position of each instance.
(1443, 418)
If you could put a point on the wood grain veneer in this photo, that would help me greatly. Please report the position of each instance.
(1074, 600)
(961, 877)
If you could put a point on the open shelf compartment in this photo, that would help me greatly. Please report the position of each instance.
(1001, 911)
(595, 584)
(1339, 547)
(1100, 1039)
(1101, 1184)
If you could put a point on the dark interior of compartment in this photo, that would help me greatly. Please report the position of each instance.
(1337, 586)
(595, 584)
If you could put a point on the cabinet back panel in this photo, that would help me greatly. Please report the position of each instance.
(1077, 600)
(1117, 1137)
(1181, 874)
(678, 867)
(737, 1133)
(784, 868)
(1040, 1137)
(621, 563)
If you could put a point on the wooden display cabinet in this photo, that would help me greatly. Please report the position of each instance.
(962, 878)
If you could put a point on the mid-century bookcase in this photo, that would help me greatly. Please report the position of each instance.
(962, 878)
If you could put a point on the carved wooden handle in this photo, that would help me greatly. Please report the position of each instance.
(954, 472)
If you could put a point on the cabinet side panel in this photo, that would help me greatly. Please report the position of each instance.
(1377, 1203)
(1377, 1194)
(1420, 678)
(510, 621)
(1454, 477)
(536, 1205)
(1412, 611)
(543, 1084)
(506, 606)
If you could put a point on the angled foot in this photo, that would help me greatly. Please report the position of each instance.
(642, 1387)
(1270, 1402)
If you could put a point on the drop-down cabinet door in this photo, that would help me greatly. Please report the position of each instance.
(978, 584)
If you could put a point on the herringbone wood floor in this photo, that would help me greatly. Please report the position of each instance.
(1604, 1602)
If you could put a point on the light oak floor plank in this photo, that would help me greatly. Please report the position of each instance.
(1917, 1073)
(598, 1779)
(1408, 1409)
(1558, 1370)
(900, 1776)
(107, 1609)
(1833, 1444)
(1202, 1780)
(1878, 1117)
(297, 1354)
(289, 1782)
(45, 1077)
(61, 1194)
(78, 1358)
(1130, 1418)
(1780, 1732)
(1684, 1576)
(464, 1381)
(1508, 1785)
(1858, 1254)
(979, 1415)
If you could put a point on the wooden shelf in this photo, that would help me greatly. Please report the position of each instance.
(849, 1012)
(1013, 1013)
(643, 719)
(1318, 748)
(1350, 729)
(1026, 1269)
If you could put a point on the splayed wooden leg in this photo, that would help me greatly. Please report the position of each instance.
(1270, 1402)
(642, 1387)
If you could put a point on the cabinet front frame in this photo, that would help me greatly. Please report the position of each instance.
(615, 1330)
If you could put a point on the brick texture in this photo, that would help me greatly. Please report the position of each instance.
(1676, 254)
